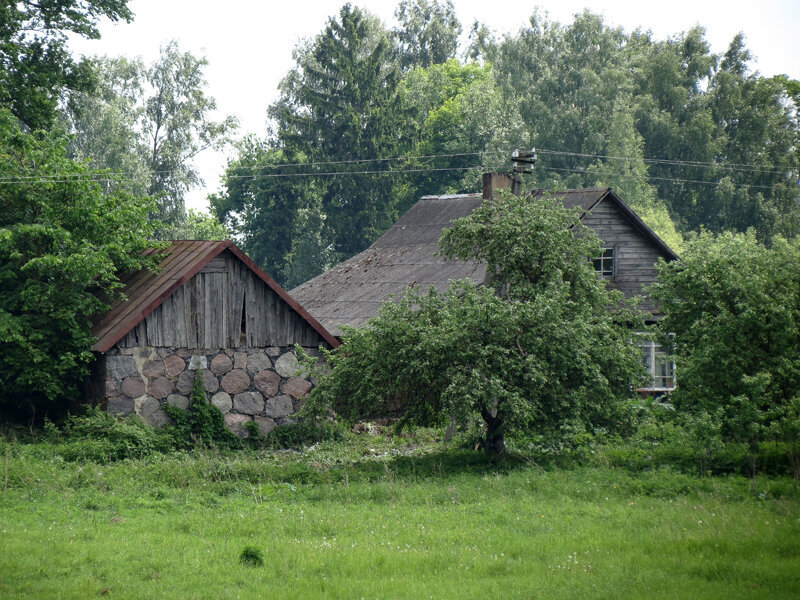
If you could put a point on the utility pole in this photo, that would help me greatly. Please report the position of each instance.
(523, 161)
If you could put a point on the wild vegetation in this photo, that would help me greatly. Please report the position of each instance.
(594, 494)
(404, 516)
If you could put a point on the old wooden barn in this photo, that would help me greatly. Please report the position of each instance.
(208, 311)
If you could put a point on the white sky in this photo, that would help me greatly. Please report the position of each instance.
(249, 43)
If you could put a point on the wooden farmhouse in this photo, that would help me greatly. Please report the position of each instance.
(352, 292)
(208, 311)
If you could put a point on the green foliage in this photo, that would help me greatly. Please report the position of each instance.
(545, 347)
(303, 434)
(202, 424)
(251, 557)
(36, 68)
(340, 103)
(150, 121)
(620, 108)
(63, 241)
(97, 436)
(454, 112)
(428, 32)
(734, 306)
(280, 220)
(197, 226)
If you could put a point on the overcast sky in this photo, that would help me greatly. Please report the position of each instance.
(249, 43)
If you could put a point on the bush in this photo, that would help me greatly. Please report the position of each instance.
(201, 424)
(97, 436)
(301, 435)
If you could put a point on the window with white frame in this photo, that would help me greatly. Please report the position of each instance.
(659, 364)
(604, 264)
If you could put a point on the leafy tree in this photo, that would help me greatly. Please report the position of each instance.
(460, 124)
(35, 66)
(734, 307)
(149, 122)
(63, 241)
(279, 217)
(104, 123)
(428, 32)
(341, 104)
(197, 226)
(545, 348)
(668, 123)
(177, 126)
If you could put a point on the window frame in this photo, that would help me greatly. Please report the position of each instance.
(609, 253)
(651, 350)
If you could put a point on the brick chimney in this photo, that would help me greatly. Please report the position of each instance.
(495, 181)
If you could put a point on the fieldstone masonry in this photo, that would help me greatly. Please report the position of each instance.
(246, 384)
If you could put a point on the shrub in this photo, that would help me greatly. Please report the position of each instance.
(252, 557)
(300, 435)
(201, 424)
(98, 436)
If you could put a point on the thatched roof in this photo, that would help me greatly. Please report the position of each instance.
(352, 292)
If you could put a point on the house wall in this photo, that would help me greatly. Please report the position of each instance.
(246, 384)
(635, 256)
(224, 306)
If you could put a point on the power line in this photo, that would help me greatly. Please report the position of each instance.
(742, 167)
(654, 178)
(108, 177)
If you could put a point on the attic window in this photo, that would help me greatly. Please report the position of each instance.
(604, 264)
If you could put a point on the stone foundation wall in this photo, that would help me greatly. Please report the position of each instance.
(246, 384)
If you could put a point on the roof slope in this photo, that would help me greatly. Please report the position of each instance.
(352, 292)
(145, 290)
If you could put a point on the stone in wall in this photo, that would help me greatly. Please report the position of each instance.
(174, 365)
(222, 401)
(132, 387)
(112, 388)
(210, 381)
(267, 382)
(265, 425)
(185, 382)
(235, 382)
(178, 401)
(120, 366)
(257, 362)
(279, 406)
(236, 423)
(297, 387)
(198, 362)
(250, 403)
(121, 406)
(286, 365)
(160, 388)
(153, 369)
(221, 364)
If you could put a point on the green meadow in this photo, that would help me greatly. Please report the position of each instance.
(380, 517)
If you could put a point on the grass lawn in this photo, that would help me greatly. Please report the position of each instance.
(373, 518)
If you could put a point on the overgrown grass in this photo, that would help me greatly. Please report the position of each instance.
(380, 517)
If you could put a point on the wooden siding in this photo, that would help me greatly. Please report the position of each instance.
(635, 255)
(206, 312)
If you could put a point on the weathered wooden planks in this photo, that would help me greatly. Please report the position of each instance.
(209, 310)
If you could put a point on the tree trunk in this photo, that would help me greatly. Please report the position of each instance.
(494, 444)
